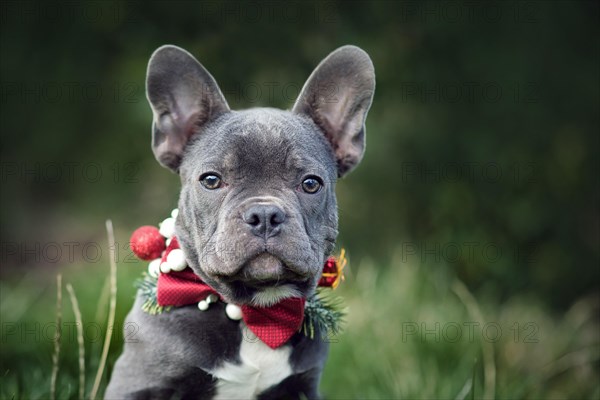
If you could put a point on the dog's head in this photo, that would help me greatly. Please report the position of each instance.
(257, 211)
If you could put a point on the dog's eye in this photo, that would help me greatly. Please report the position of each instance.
(211, 181)
(311, 184)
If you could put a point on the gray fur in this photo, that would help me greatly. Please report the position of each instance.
(262, 155)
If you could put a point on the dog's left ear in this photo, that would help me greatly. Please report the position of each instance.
(337, 97)
(184, 97)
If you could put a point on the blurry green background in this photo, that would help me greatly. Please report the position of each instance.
(481, 167)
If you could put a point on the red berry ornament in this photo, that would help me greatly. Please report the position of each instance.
(333, 271)
(147, 243)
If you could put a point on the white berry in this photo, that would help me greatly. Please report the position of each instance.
(176, 260)
(175, 212)
(233, 312)
(167, 228)
(154, 268)
(212, 298)
(203, 305)
(165, 267)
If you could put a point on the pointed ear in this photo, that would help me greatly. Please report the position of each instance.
(337, 97)
(184, 97)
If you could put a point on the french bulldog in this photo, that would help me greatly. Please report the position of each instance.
(257, 220)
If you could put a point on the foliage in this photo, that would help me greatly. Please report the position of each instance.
(481, 167)
(324, 313)
(406, 335)
(482, 138)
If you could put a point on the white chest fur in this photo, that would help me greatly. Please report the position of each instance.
(260, 368)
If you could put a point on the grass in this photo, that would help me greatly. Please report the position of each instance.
(411, 332)
(409, 336)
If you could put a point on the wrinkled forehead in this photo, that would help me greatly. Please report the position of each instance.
(265, 141)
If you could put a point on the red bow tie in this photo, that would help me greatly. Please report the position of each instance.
(273, 325)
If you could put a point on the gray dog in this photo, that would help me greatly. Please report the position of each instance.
(257, 220)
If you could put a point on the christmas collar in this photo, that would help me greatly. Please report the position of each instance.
(171, 283)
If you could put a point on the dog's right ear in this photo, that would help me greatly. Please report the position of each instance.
(337, 96)
(184, 97)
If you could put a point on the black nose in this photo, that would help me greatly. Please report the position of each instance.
(264, 220)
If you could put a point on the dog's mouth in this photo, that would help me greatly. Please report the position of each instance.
(266, 270)
(259, 285)
(265, 279)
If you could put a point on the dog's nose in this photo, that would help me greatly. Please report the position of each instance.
(264, 220)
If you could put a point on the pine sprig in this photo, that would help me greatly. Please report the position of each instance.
(147, 285)
(323, 314)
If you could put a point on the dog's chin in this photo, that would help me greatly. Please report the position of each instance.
(265, 295)
(272, 295)
(264, 281)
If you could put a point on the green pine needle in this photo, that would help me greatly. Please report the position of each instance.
(323, 314)
(147, 287)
